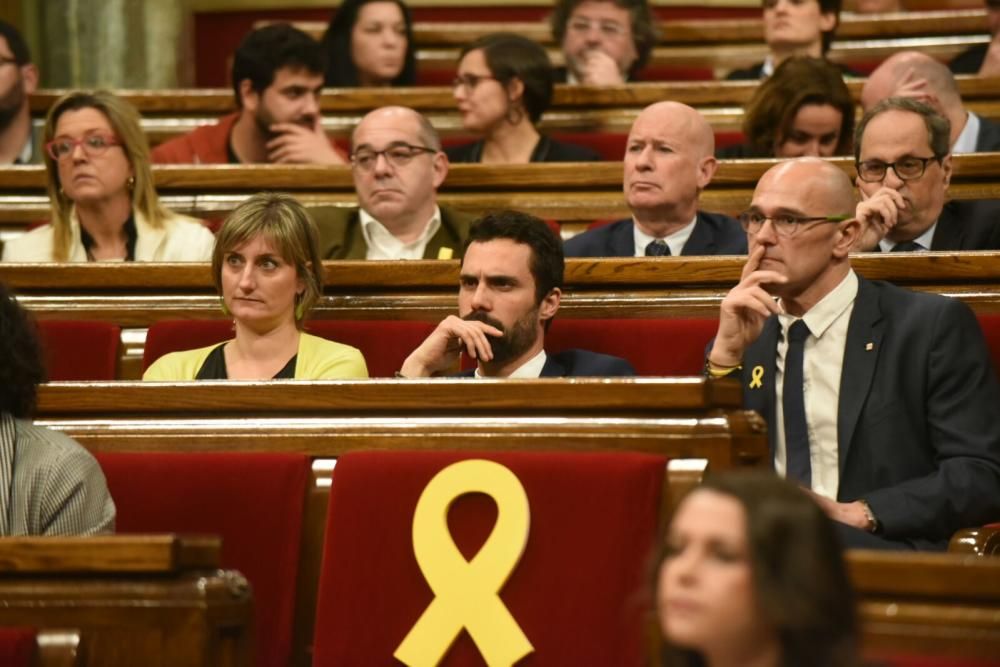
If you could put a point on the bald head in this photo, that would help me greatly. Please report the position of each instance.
(681, 122)
(817, 181)
(400, 118)
(901, 75)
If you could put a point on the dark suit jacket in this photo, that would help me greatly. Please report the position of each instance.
(713, 234)
(579, 363)
(546, 150)
(757, 72)
(988, 140)
(340, 235)
(917, 427)
(968, 225)
(970, 60)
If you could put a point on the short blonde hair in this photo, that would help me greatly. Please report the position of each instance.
(124, 121)
(283, 221)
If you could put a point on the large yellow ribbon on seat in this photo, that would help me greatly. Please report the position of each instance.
(467, 592)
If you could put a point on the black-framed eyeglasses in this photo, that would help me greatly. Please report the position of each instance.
(470, 81)
(785, 224)
(906, 168)
(610, 29)
(398, 155)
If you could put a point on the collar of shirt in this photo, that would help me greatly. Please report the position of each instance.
(966, 142)
(675, 241)
(382, 244)
(822, 315)
(767, 69)
(27, 153)
(530, 369)
(924, 240)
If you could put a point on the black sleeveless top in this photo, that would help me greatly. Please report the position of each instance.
(214, 367)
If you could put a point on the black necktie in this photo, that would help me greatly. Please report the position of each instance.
(907, 246)
(793, 405)
(657, 248)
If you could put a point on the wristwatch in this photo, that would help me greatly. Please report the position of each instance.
(873, 525)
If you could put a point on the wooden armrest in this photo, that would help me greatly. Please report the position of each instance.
(58, 648)
(982, 541)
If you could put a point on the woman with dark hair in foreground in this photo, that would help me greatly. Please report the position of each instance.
(752, 575)
(49, 485)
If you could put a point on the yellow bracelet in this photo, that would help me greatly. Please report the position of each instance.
(716, 371)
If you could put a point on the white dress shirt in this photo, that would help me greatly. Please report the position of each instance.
(532, 368)
(382, 244)
(967, 139)
(674, 241)
(821, 370)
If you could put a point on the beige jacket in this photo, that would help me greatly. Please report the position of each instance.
(180, 239)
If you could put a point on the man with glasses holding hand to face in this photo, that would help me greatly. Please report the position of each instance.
(902, 149)
(398, 166)
(604, 42)
(879, 401)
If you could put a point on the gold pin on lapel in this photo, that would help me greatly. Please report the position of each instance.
(869, 347)
(756, 375)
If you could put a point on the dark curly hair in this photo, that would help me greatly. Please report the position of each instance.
(644, 29)
(21, 367)
(511, 56)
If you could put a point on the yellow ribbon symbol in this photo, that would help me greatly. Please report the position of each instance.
(756, 375)
(467, 592)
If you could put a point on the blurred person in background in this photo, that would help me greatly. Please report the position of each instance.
(369, 43)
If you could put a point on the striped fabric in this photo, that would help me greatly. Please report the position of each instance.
(49, 484)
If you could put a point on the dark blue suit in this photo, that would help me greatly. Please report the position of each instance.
(579, 363)
(972, 224)
(713, 234)
(917, 427)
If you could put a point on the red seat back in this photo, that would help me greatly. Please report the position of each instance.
(653, 347)
(990, 324)
(253, 501)
(577, 592)
(80, 350)
(18, 647)
(384, 343)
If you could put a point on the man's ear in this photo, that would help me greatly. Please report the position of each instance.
(706, 171)
(946, 168)
(827, 21)
(848, 235)
(249, 98)
(439, 163)
(29, 74)
(549, 306)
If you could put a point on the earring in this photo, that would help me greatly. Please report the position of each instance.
(224, 307)
(130, 183)
(515, 114)
(299, 308)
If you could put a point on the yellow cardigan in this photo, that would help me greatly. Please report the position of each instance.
(318, 359)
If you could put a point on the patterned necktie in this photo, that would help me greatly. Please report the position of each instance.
(657, 248)
(793, 404)
(907, 246)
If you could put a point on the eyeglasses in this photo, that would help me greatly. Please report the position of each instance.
(470, 81)
(609, 29)
(398, 155)
(92, 144)
(785, 224)
(906, 168)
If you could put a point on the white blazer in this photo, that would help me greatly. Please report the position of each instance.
(180, 239)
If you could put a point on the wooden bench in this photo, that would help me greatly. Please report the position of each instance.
(683, 419)
(574, 109)
(133, 296)
(156, 601)
(561, 192)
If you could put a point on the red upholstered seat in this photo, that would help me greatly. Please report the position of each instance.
(933, 661)
(384, 343)
(611, 145)
(253, 501)
(578, 592)
(80, 350)
(18, 647)
(990, 324)
(654, 347)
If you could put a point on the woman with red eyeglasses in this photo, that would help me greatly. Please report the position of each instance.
(104, 204)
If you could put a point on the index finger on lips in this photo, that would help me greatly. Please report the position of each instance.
(753, 261)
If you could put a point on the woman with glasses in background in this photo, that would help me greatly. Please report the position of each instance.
(104, 203)
(369, 43)
(503, 87)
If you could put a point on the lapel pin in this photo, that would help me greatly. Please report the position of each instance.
(756, 375)
(869, 347)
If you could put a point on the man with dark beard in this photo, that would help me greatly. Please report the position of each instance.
(277, 80)
(509, 291)
(18, 79)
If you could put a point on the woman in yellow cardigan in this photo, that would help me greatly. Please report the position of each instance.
(267, 267)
